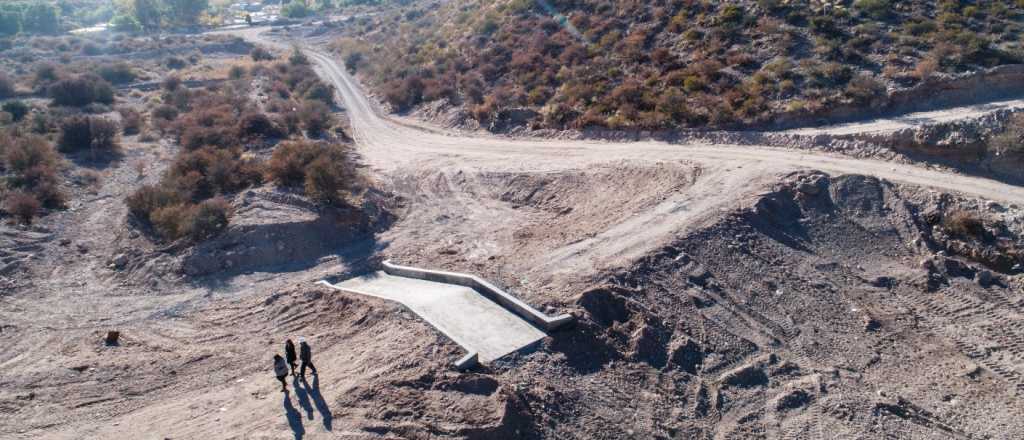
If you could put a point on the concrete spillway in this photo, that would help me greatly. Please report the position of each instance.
(481, 318)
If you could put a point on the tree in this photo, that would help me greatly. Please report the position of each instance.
(295, 9)
(186, 12)
(148, 13)
(126, 23)
(40, 18)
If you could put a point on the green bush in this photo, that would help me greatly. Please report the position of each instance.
(17, 109)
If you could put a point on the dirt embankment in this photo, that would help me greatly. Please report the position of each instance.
(801, 311)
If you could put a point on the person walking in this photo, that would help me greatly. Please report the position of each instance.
(289, 354)
(306, 357)
(281, 370)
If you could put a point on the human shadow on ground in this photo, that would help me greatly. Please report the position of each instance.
(303, 397)
(318, 400)
(294, 418)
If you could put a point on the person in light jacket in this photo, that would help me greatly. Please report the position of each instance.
(306, 358)
(281, 370)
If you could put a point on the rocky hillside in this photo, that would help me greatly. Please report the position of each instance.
(656, 65)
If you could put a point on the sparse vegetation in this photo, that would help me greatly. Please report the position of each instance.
(217, 129)
(727, 64)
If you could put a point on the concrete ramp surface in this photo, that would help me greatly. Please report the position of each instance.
(464, 315)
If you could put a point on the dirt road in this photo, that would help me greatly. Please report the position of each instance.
(911, 120)
(389, 143)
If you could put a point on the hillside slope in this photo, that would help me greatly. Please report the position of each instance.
(654, 65)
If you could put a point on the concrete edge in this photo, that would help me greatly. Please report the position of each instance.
(487, 289)
(470, 360)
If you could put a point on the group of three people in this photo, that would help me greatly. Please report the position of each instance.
(281, 366)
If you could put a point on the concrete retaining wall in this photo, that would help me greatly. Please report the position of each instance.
(486, 289)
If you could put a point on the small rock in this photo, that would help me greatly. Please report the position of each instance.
(112, 337)
(927, 263)
(65, 241)
(119, 261)
(808, 188)
(870, 323)
(82, 248)
(985, 278)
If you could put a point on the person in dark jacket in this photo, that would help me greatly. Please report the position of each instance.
(281, 370)
(289, 354)
(306, 356)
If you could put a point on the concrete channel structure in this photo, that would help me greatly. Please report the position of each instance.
(483, 319)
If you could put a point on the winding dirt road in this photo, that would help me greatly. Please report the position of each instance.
(389, 143)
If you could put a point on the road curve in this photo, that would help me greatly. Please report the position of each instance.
(389, 143)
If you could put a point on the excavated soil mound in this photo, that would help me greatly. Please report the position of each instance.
(275, 231)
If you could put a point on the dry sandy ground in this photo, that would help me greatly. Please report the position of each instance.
(723, 291)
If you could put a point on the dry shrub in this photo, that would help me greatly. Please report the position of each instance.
(117, 73)
(171, 84)
(93, 133)
(172, 222)
(17, 109)
(315, 117)
(207, 172)
(237, 72)
(149, 198)
(325, 179)
(6, 86)
(209, 219)
(323, 170)
(131, 121)
(963, 224)
(260, 54)
(81, 90)
(31, 164)
(22, 205)
(254, 124)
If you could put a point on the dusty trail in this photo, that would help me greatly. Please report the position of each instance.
(911, 120)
